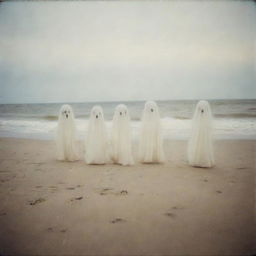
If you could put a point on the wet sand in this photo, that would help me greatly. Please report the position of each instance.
(50, 207)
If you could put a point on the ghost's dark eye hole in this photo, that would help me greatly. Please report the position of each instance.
(152, 110)
(120, 113)
(202, 111)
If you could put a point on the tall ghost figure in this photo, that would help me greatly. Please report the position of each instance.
(151, 142)
(96, 151)
(121, 137)
(66, 135)
(200, 148)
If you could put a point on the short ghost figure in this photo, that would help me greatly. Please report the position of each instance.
(96, 151)
(200, 148)
(121, 137)
(151, 142)
(66, 135)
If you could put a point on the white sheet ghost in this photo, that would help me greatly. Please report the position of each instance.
(151, 142)
(66, 135)
(121, 137)
(96, 144)
(200, 148)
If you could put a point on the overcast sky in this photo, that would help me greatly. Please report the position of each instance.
(121, 50)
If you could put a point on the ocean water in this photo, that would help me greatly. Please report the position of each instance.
(233, 119)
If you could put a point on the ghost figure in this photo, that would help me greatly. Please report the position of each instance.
(151, 142)
(200, 148)
(66, 135)
(96, 151)
(121, 137)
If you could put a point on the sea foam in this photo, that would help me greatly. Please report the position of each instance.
(172, 128)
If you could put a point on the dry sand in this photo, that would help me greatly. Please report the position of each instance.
(50, 207)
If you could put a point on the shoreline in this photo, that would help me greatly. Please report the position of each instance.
(48, 137)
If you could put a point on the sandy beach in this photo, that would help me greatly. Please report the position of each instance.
(60, 208)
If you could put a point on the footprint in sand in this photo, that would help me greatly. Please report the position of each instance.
(106, 191)
(205, 180)
(109, 191)
(51, 229)
(37, 201)
(219, 191)
(174, 208)
(170, 214)
(116, 220)
(3, 213)
(76, 198)
(71, 188)
(177, 207)
(124, 192)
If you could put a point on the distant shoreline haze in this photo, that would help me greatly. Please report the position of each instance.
(128, 101)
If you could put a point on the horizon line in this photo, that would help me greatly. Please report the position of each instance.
(125, 101)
